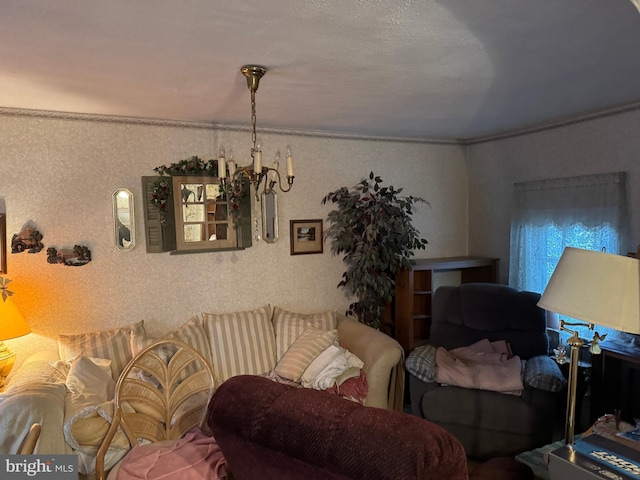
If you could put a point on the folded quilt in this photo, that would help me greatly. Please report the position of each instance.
(483, 366)
(328, 367)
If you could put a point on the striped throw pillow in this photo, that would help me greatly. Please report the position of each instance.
(311, 343)
(113, 344)
(242, 343)
(290, 325)
(192, 333)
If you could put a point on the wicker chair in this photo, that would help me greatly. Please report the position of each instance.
(161, 394)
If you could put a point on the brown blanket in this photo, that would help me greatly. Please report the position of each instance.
(483, 366)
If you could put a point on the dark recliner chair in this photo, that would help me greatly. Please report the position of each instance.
(489, 423)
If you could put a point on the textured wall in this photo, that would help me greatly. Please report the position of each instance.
(60, 175)
(608, 144)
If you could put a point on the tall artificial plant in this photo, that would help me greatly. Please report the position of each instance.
(372, 226)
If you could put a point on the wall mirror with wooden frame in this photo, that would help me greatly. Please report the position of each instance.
(197, 216)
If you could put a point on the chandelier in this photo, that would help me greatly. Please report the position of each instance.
(255, 172)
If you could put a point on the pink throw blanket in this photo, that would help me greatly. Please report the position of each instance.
(193, 457)
(483, 366)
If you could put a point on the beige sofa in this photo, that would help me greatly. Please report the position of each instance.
(51, 388)
(383, 359)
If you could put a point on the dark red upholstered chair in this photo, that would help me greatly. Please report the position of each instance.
(267, 430)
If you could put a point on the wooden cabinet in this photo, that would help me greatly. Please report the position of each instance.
(615, 381)
(408, 319)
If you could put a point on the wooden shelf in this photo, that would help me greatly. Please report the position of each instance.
(408, 319)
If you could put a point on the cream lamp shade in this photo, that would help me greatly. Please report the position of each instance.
(596, 287)
(12, 325)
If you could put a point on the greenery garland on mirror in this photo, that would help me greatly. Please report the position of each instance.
(372, 226)
(161, 190)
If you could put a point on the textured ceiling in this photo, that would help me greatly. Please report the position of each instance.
(424, 69)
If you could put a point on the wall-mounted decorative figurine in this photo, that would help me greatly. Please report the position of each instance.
(28, 239)
(80, 255)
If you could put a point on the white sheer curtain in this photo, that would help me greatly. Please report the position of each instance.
(587, 212)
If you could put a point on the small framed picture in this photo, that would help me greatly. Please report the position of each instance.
(3, 243)
(306, 236)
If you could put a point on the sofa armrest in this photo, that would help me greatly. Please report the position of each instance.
(383, 359)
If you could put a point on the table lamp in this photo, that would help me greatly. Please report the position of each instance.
(595, 287)
(12, 325)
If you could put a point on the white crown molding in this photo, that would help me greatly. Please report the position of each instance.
(90, 117)
(574, 119)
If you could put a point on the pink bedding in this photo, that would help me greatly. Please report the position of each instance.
(483, 366)
(193, 457)
(354, 389)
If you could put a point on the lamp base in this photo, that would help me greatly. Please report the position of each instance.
(7, 359)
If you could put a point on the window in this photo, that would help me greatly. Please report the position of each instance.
(587, 212)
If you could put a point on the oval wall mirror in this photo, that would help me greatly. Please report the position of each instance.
(270, 216)
(124, 220)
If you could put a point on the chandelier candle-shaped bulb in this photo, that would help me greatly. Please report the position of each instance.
(222, 167)
(289, 162)
(257, 160)
(232, 165)
(273, 174)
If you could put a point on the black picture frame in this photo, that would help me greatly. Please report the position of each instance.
(306, 236)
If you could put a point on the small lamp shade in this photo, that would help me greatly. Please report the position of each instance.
(12, 323)
(596, 287)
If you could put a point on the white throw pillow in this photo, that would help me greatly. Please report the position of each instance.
(91, 377)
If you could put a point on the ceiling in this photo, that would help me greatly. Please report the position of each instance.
(414, 69)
